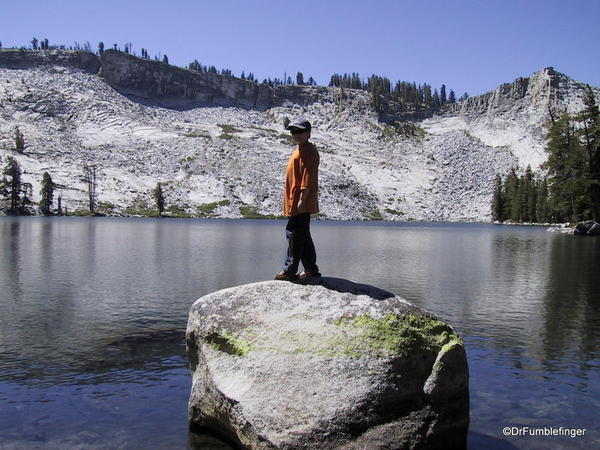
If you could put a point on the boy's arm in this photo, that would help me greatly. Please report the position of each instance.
(309, 178)
(301, 207)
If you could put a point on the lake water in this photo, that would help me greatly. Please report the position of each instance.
(93, 313)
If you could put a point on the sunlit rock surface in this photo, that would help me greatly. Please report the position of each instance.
(333, 364)
(218, 146)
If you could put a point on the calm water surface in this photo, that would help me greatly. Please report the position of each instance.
(93, 312)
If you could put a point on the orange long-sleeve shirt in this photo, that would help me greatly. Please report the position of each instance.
(302, 172)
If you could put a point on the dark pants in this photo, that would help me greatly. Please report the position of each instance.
(300, 245)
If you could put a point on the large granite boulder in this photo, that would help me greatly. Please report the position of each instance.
(333, 364)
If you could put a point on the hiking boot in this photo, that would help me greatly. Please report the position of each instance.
(308, 274)
(285, 276)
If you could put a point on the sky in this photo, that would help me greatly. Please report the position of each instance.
(469, 45)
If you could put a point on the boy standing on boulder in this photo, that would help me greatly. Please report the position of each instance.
(300, 199)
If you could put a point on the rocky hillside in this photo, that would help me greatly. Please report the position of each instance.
(218, 146)
(515, 115)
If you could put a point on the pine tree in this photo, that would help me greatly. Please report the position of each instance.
(443, 94)
(498, 200)
(541, 207)
(517, 207)
(34, 43)
(452, 97)
(59, 210)
(567, 173)
(89, 177)
(511, 195)
(559, 138)
(26, 195)
(47, 194)
(375, 97)
(19, 141)
(528, 196)
(427, 95)
(300, 78)
(11, 184)
(166, 59)
(435, 99)
(100, 47)
(159, 199)
(194, 65)
(589, 118)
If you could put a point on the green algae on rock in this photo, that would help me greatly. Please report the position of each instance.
(363, 335)
(395, 334)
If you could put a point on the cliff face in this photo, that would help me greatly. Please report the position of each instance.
(174, 86)
(159, 81)
(540, 90)
(27, 59)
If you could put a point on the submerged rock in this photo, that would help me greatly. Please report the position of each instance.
(332, 364)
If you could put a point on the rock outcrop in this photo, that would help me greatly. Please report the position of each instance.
(70, 59)
(162, 82)
(171, 85)
(515, 115)
(333, 364)
(587, 228)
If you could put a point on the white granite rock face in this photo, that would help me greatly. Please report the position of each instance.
(515, 116)
(218, 147)
(333, 364)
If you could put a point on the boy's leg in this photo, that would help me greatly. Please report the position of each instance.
(296, 232)
(309, 257)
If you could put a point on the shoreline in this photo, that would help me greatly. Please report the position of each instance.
(551, 226)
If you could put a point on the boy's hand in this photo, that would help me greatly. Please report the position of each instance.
(301, 207)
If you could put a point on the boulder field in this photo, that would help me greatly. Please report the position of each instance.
(330, 364)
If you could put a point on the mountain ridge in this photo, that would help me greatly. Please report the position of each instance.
(232, 155)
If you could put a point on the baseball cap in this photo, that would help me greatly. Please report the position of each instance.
(300, 124)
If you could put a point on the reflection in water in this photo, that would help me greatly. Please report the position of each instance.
(93, 313)
(11, 263)
(572, 307)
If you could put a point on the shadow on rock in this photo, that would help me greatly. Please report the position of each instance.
(348, 287)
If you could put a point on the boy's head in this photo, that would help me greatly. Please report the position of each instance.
(300, 130)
